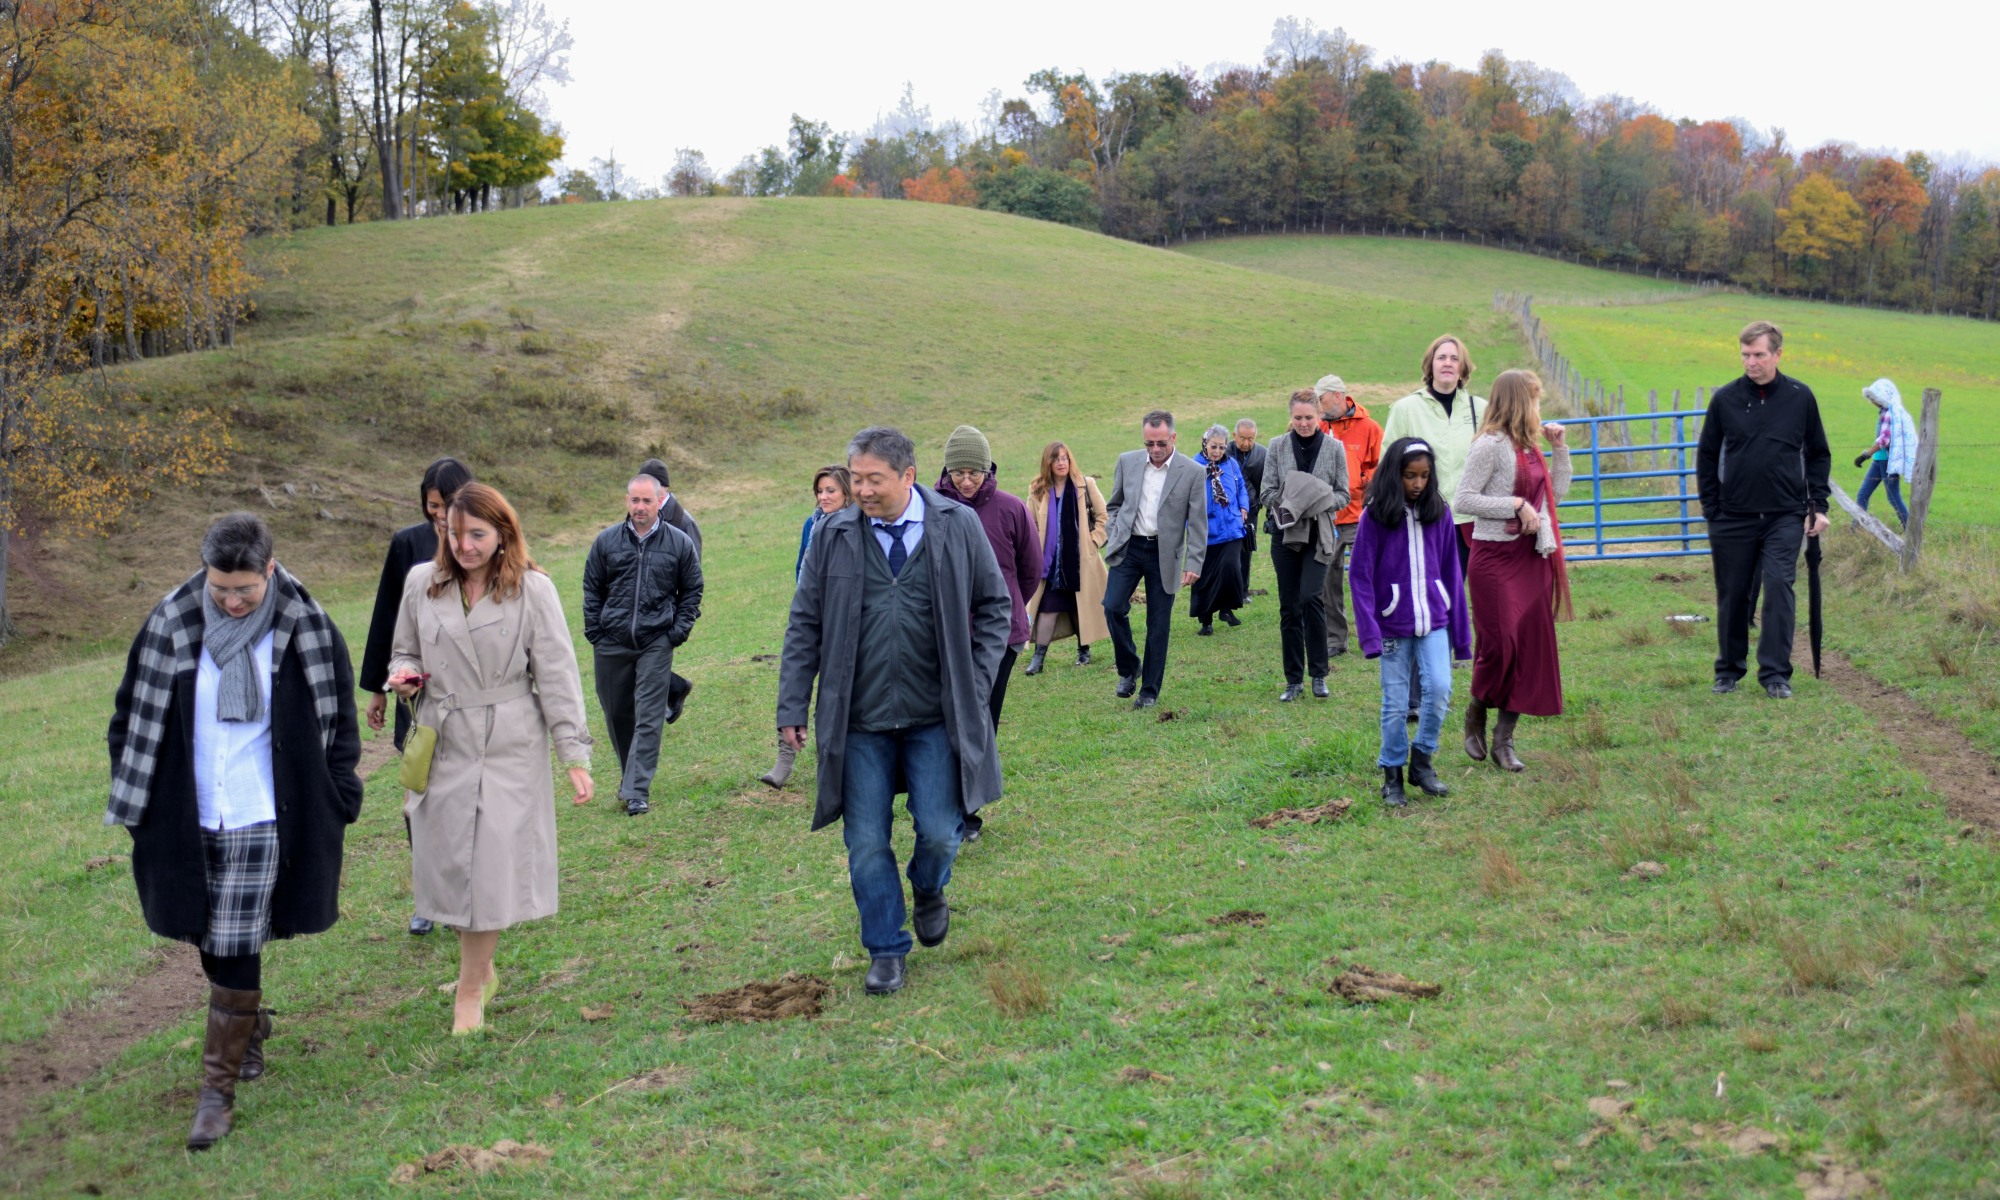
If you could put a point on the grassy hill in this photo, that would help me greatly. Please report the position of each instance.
(1092, 1028)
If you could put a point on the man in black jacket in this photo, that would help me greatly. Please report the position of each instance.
(1763, 469)
(641, 596)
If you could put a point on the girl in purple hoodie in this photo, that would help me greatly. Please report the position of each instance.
(1409, 607)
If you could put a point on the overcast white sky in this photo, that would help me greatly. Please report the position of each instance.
(724, 78)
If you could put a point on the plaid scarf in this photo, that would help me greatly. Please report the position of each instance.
(169, 646)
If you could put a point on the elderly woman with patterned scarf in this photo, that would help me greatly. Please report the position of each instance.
(233, 747)
(1220, 590)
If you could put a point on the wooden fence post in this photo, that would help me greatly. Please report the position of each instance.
(1923, 480)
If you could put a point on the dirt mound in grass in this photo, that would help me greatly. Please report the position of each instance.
(1239, 916)
(1365, 985)
(792, 996)
(1332, 810)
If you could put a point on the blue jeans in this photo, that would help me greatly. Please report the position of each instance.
(1878, 474)
(921, 762)
(1405, 660)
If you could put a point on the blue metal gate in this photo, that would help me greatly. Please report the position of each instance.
(1637, 499)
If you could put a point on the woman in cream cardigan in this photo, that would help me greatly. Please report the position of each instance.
(1516, 580)
(485, 626)
(1069, 601)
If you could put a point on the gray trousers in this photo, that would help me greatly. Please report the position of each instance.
(1335, 595)
(632, 691)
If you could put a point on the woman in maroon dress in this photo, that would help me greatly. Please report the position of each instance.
(1516, 579)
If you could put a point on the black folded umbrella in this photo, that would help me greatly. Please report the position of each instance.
(1815, 618)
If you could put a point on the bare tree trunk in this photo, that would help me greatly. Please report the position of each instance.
(385, 147)
(6, 498)
(131, 317)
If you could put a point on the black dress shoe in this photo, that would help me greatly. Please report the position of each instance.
(1723, 687)
(971, 835)
(1230, 619)
(1127, 684)
(1320, 688)
(1206, 630)
(932, 918)
(1083, 656)
(677, 694)
(1145, 702)
(1778, 691)
(1292, 692)
(636, 807)
(419, 926)
(885, 975)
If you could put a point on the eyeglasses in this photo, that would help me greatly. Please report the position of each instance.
(236, 593)
(967, 475)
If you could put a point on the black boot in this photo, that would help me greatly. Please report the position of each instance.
(1036, 660)
(1392, 787)
(1503, 743)
(1422, 775)
(1083, 656)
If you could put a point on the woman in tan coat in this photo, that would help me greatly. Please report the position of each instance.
(1070, 599)
(481, 633)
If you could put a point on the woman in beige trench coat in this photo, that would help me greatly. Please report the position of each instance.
(1073, 604)
(485, 624)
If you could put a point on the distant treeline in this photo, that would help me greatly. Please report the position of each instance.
(1322, 136)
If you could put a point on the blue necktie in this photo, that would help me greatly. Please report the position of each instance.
(897, 554)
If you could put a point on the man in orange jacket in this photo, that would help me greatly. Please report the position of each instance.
(1342, 418)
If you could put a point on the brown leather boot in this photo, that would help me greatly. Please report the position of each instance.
(1475, 731)
(232, 1019)
(253, 1054)
(1503, 743)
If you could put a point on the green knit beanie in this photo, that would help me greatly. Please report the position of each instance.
(966, 450)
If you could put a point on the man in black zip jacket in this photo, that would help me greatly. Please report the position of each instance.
(641, 596)
(1763, 469)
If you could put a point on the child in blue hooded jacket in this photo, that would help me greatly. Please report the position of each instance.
(1409, 608)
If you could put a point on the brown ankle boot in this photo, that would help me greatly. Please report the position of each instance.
(1503, 743)
(232, 1019)
(1475, 731)
(253, 1054)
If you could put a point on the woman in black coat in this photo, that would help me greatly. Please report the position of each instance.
(410, 546)
(233, 746)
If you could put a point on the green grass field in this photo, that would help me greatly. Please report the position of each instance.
(1087, 1031)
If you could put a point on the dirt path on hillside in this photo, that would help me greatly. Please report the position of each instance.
(1967, 776)
(84, 1041)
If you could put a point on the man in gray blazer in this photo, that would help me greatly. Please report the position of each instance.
(1158, 511)
(902, 616)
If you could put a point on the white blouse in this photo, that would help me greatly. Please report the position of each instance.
(232, 759)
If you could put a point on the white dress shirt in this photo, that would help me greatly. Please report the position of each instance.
(914, 514)
(232, 759)
(1153, 485)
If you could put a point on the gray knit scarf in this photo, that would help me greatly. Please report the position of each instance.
(232, 643)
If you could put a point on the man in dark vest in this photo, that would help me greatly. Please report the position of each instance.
(642, 590)
(1763, 469)
(902, 615)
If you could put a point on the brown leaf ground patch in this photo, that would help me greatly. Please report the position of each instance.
(1332, 810)
(793, 996)
(1143, 1075)
(1365, 985)
(1239, 916)
(480, 1160)
(1964, 774)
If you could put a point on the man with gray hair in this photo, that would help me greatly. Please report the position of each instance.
(907, 573)
(1158, 514)
(642, 590)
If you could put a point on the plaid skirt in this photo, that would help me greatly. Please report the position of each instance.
(242, 868)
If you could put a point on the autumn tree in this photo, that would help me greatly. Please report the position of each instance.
(1890, 199)
(1821, 222)
(134, 162)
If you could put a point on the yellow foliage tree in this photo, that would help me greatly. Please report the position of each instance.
(1822, 221)
(132, 169)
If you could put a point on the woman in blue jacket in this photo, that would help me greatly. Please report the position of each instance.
(1219, 591)
(1409, 608)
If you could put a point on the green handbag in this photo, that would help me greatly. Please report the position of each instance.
(418, 747)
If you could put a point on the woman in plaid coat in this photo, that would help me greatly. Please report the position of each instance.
(233, 746)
